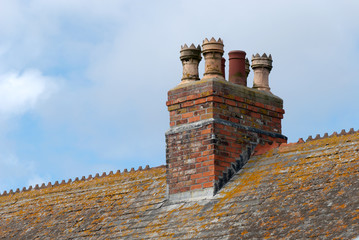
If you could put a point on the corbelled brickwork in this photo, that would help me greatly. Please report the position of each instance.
(213, 122)
(215, 98)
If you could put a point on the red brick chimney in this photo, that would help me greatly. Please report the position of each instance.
(215, 124)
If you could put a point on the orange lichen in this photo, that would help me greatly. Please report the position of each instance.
(244, 232)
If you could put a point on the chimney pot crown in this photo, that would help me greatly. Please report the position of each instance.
(190, 52)
(190, 57)
(261, 65)
(262, 61)
(212, 45)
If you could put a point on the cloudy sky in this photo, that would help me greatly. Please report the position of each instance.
(83, 83)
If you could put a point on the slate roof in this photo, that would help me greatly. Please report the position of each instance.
(295, 191)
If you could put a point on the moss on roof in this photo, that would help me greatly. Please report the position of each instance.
(295, 191)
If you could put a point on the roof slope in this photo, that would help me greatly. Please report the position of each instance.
(294, 191)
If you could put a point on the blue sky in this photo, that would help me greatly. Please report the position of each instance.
(84, 83)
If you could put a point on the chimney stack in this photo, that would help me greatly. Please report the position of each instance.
(216, 124)
(261, 65)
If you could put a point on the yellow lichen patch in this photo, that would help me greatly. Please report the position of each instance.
(313, 209)
(342, 206)
(244, 232)
(267, 235)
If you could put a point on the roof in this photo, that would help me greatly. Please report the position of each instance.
(294, 191)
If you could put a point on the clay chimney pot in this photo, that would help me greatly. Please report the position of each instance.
(237, 67)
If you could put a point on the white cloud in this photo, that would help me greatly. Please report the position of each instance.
(21, 92)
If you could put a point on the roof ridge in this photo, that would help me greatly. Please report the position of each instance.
(325, 135)
(263, 148)
(77, 179)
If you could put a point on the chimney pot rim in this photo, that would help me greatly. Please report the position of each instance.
(236, 52)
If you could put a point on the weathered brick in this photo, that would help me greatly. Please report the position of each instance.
(234, 120)
(202, 180)
(276, 120)
(255, 115)
(207, 92)
(194, 119)
(197, 175)
(192, 97)
(196, 154)
(215, 99)
(207, 163)
(175, 118)
(224, 132)
(251, 108)
(208, 184)
(206, 116)
(187, 115)
(187, 104)
(203, 148)
(239, 99)
(197, 186)
(181, 121)
(219, 169)
(173, 107)
(202, 159)
(199, 101)
(189, 172)
(230, 102)
(206, 131)
(208, 152)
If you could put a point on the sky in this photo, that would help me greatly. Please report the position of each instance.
(83, 83)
